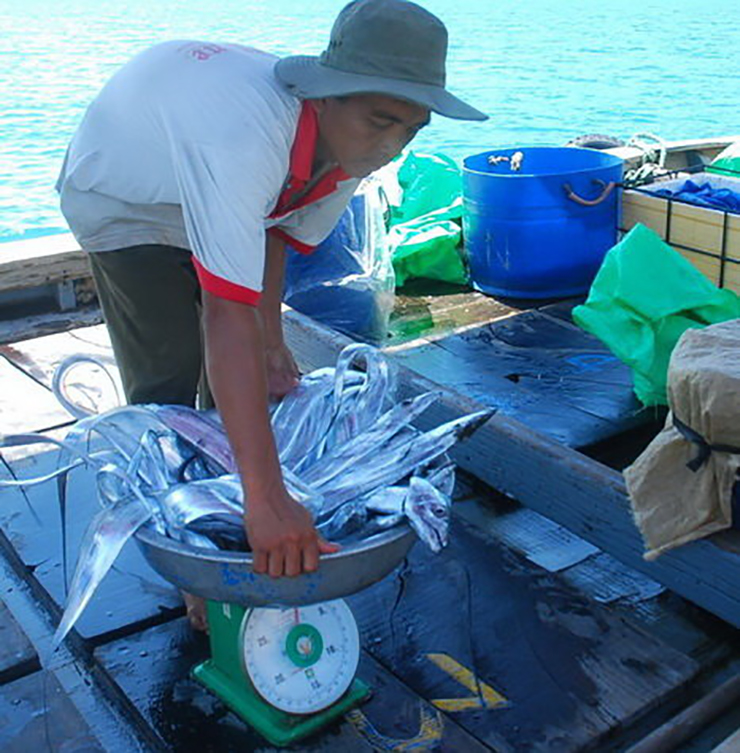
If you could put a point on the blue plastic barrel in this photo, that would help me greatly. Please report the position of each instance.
(540, 231)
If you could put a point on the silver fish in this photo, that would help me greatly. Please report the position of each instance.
(361, 447)
(126, 508)
(389, 500)
(321, 439)
(441, 476)
(198, 540)
(403, 457)
(230, 486)
(353, 414)
(225, 532)
(383, 522)
(313, 406)
(184, 503)
(203, 431)
(356, 465)
(102, 542)
(289, 412)
(120, 427)
(346, 520)
(428, 512)
(65, 367)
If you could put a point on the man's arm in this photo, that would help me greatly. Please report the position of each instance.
(280, 530)
(282, 371)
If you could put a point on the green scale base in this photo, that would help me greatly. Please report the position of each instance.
(223, 675)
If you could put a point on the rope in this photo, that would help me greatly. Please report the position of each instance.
(652, 159)
(704, 448)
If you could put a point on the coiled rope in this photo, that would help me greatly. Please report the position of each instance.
(652, 159)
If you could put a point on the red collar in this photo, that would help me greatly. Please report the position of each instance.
(301, 161)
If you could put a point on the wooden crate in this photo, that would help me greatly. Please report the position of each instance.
(708, 238)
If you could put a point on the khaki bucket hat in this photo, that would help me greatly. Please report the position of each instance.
(391, 47)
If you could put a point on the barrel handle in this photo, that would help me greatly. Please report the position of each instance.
(608, 188)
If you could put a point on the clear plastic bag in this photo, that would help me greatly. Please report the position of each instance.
(348, 282)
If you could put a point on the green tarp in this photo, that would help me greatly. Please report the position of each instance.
(644, 297)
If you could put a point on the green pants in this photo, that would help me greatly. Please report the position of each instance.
(151, 304)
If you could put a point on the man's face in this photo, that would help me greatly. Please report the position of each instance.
(363, 132)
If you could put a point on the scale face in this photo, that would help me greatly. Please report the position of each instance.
(301, 659)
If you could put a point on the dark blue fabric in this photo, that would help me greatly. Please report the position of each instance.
(704, 195)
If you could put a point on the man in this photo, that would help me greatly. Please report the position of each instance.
(191, 170)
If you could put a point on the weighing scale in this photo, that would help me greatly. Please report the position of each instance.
(286, 671)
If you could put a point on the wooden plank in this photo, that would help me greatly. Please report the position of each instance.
(700, 234)
(701, 228)
(649, 210)
(730, 744)
(37, 715)
(732, 276)
(40, 261)
(130, 595)
(709, 266)
(184, 714)
(26, 405)
(17, 655)
(695, 227)
(433, 310)
(29, 327)
(538, 369)
(86, 384)
(554, 668)
(562, 484)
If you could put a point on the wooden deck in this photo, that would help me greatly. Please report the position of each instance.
(570, 488)
(568, 649)
(540, 628)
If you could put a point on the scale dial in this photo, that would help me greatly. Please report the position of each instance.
(301, 659)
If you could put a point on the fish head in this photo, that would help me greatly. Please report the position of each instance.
(428, 512)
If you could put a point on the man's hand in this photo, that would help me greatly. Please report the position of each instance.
(283, 538)
(282, 371)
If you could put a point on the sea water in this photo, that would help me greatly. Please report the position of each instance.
(544, 71)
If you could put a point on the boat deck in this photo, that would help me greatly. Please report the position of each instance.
(523, 635)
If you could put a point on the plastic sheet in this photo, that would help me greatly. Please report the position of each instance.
(704, 195)
(347, 283)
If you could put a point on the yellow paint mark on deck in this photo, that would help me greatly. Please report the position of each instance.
(485, 697)
(431, 729)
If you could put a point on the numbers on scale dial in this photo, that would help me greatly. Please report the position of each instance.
(301, 660)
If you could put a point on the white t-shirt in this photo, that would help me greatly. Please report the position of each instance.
(198, 146)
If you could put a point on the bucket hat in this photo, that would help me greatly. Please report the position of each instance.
(391, 47)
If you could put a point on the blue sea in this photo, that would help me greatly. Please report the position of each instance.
(545, 72)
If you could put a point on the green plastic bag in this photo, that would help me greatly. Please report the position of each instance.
(426, 224)
(727, 162)
(644, 297)
(427, 248)
(428, 182)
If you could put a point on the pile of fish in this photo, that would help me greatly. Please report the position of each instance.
(348, 454)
